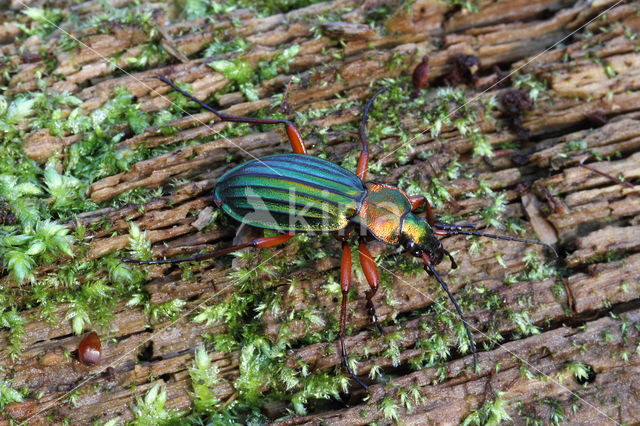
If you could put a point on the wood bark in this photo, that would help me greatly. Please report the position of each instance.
(579, 312)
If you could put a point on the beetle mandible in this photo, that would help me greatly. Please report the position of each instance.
(297, 193)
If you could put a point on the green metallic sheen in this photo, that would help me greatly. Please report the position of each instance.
(383, 210)
(416, 230)
(290, 192)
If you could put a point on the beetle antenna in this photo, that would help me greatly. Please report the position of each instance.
(363, 124)
(429, 267)
(456, 230)
(447, 226)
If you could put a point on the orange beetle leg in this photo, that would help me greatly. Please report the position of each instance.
(371, 273)
(345, 282)
(416, 201)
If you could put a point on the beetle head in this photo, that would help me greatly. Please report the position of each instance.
(418, 238)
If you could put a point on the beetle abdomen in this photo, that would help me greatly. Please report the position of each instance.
(290, 192)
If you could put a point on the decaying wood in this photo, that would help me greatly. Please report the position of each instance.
(450, 401)
(594, 220)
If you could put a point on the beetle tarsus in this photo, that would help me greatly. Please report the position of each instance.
(371, 310)
(343, 315)
(430, 269)
(345, 360)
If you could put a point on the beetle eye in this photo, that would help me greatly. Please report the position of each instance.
(413, 248)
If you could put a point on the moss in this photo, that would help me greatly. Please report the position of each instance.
(556, 413)
(218, 46)
(389, 408)
(150, 55)
(581, 372)
(492, 412)
(529, 82)
(13, 322)
(44, 21)
(523, 324)
(151, 409)
(392, 351)
(245, 78)
(201, 8)
(204, 376)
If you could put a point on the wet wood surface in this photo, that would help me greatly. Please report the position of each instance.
(586, 313)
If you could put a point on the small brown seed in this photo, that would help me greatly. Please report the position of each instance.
(89, 349)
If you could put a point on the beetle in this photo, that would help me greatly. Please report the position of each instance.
(299, 193)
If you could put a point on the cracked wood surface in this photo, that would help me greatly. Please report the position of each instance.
(594, 220)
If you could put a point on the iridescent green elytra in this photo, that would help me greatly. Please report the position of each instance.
(290, 192)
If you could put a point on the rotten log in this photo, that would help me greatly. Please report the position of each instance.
(529, 328)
